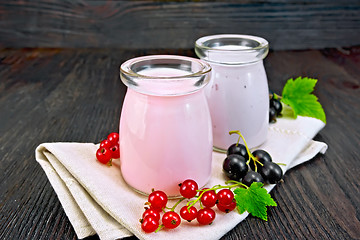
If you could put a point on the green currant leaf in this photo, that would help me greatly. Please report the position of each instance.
(254, 200)
(298, 95)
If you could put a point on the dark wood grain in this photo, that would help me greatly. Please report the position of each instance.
(75, 95)
(292, 24)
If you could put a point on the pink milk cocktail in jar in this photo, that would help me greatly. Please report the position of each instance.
(238, 93)
(165, 124)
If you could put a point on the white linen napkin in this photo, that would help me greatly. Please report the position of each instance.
(96, 199)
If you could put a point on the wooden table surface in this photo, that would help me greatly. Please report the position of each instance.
(49, 95)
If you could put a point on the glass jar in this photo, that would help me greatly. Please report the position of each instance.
(238, 93)
(165, 124)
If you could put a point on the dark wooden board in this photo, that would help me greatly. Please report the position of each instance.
(177, 24)
(75, 95)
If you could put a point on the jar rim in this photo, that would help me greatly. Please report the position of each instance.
(231, 49)
(262, 43)
(165, 75)
(126, 69)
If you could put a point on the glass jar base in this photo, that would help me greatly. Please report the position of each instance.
(219, 150)
(147, 194)
(171, 197)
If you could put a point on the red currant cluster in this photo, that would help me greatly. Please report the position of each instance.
(109, 149)
(157, 200)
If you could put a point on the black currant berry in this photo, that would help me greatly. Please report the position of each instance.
(272, 115)
(240, 149)
(235, 167)
(262, 156)
(276, 104)
(271, 172)
(251, 177)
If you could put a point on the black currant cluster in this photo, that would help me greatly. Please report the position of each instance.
(275, 108)
(242, 165)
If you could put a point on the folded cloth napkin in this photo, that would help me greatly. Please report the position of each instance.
(97, 200)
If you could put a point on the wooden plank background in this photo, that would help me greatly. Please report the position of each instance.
(292, 24)
(49, 95)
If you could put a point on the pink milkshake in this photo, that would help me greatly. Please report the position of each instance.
(165, 125)
(237, 94)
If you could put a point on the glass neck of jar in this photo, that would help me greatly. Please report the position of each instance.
(231, 49)
(165, 75)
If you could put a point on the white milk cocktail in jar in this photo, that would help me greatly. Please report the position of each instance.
(165, 124)
(238, 93)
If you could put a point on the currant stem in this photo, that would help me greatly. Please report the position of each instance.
(177, 203)
(236, 183)
(159, 228)
(251, 157)
(238, 132)
(216, 187)
(275, 96)
(241, 136)
(110, 162)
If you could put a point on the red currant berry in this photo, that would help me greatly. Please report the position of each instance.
(103, 155)
(226, 208)
(149, 224)
(113, 138)
(151, 212)
(115, 151)
(157, 200)
(171, 220)
(188, 188)
(188, 214)
(225, 196)
(209, 198)
(105, 144)
(205, 216)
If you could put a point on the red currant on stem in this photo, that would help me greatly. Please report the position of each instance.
(149, 224)
(226, 208)
(187, 213)
(188, 188)
(171, 220)
(157, 200)
(205, 216)
(105, 144)
(115, 151)
(225, 196)
(103, 155)
(151, 212)
(113, 138)
(209, 198)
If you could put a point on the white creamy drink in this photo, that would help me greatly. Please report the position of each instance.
(238, 91)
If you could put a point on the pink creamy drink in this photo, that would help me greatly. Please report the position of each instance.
(237, 94)
(165, 125)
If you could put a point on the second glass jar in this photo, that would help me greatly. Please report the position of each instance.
(238, 94)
